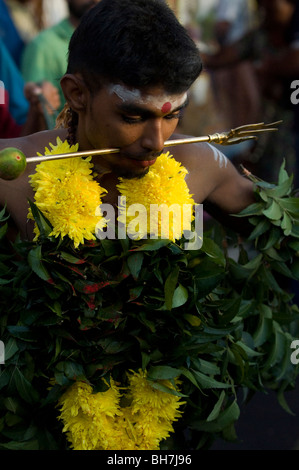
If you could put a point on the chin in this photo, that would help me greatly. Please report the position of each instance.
(129, 173)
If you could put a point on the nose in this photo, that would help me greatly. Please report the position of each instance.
(153, 138)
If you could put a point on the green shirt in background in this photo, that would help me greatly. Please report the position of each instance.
(45, 57)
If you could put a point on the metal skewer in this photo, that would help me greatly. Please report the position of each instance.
(234, 136)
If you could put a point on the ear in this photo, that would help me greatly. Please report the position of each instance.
(75, 91)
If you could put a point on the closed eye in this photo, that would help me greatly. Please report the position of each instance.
(177, 115)
(138, 119)
(132, 119)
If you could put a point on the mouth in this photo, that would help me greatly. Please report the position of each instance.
(143, 163)
(147, 160)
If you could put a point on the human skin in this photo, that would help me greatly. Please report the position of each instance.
(138, 127)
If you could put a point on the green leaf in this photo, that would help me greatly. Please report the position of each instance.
(254, 209)
(217, 408)
(263, 332)
(206, 367)
(277, 351)
(286, 224)
(42, 222)
(135, 264)
(208, 382)
(71, 258)
(27, 445)
(163, 388)
(283, 188)
(180, 296)
(291, 205)
(274, 211)
(3, 230)
(163, 373)
(213, 251)
(190, 376)
(261, 228)
(207, 275)
(225, 419)
(282, 175)
(294, 244)
(11, 348)
(249, 352)
(3, 217)
(22, 332)
(274, 237)
(192, 319)
(24, 387)
(152, 245)
(170, 286)
(35, 262)
(254, 263)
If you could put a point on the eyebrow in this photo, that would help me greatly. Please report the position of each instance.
(133, 108)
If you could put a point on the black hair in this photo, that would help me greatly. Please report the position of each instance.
(139, 43)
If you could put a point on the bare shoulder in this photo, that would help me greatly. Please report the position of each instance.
(206, 165)
(32, 144)
(194, 155)
(212, 177)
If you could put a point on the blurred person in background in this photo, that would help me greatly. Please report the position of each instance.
(53, 11)
(271, 50)
(21, 112)
(45, 57)
(10, 35)
(236, 86)
(279, 68)
(27, 17)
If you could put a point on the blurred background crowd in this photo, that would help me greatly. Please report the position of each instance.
(34, 36)
(250, 51)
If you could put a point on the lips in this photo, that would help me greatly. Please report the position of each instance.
(146, 161)
(143, 163)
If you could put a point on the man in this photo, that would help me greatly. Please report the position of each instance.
(129, 69)
(45, 57)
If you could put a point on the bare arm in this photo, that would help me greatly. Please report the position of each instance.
(214, 181)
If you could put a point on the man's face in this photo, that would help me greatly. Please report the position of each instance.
(79, 7)
(138, 123)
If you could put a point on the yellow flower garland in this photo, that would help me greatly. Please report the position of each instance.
(164, 184)
(98, 421)
(68, 196)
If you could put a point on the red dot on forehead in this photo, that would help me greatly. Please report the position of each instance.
(166, 107)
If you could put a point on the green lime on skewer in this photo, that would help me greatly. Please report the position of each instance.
(12, 163)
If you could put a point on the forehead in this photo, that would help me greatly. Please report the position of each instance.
(155, 97)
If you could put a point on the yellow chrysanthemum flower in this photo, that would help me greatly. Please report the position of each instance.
(68, 196)
(164, 195)
(153, 410)
(97, 421)
(89, 418)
